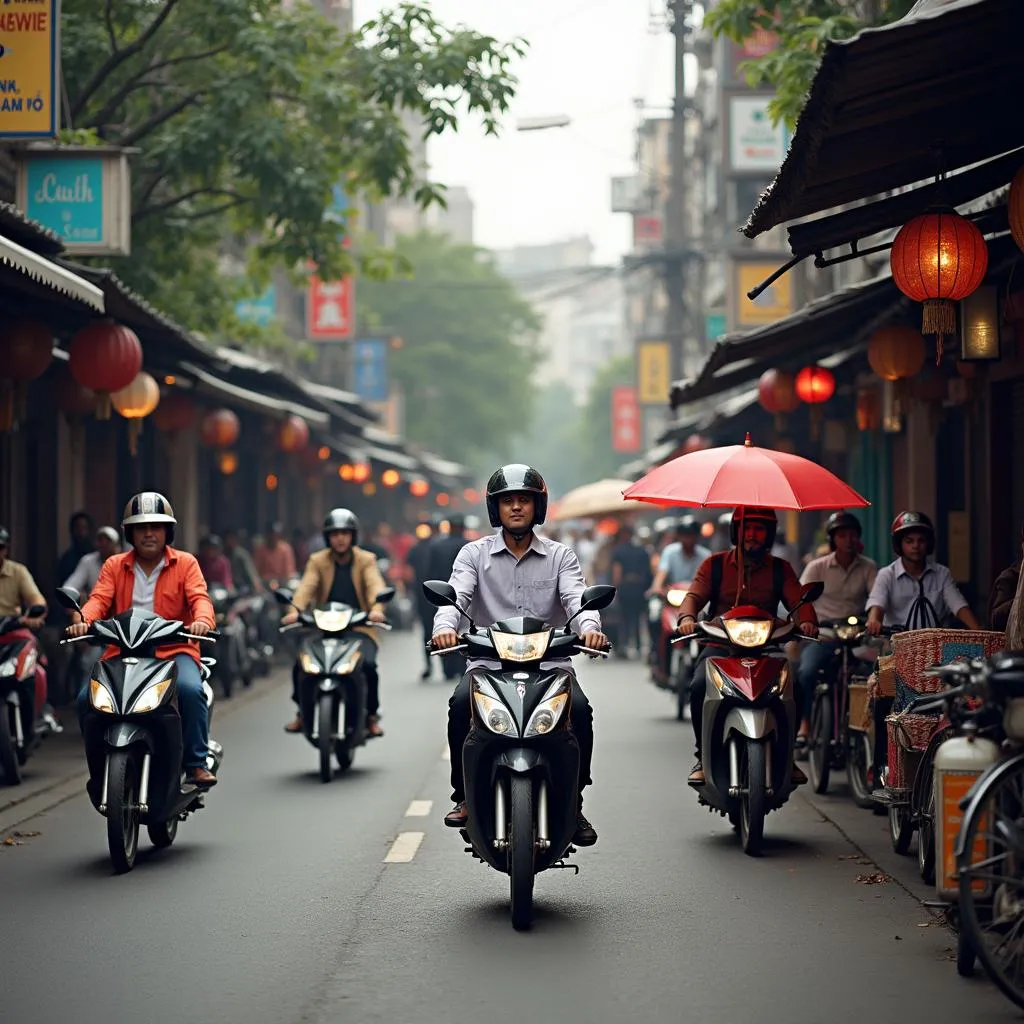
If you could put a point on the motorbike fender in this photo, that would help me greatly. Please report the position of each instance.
(127, 734)
(520, 761)
(976, 795)
(753, 723)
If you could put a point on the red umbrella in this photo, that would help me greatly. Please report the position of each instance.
(743, 474)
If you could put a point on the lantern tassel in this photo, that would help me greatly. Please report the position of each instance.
(939, 319)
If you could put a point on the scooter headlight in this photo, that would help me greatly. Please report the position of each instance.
(546, 715)
(675, 597)
(100, 697)
(748, 632)
(494, 714)
(151, 696)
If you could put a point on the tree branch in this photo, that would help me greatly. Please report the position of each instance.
(168, 204)
(108, 16)
(213, 211)
(118, 57)
(159, 118)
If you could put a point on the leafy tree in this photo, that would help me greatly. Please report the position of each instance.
(803, 27)
(596, 459)
(469, 347)
(554, 442)
(247, 114)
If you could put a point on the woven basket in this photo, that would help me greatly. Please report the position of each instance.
(886, 673)
(921, 649)
(908, 737)
(860, 708)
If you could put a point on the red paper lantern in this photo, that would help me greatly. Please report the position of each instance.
(419, 488)
(105, 357)
(695, 443)
(293, 434)
(815, 384)
(220, 428)
(938, 259)
(176, 412)
(69, 396)
(26, 351)
(776, 392)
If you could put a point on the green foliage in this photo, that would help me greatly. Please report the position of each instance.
(596, 459)
(469, 347)
(804, 27)
(247, 114)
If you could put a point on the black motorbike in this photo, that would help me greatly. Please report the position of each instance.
(132, 731)
(20, 730)
(233, 662)
(332, 679)
(521, 760)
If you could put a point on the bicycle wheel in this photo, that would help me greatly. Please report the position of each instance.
(992, 881)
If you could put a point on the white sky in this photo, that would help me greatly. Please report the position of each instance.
(588, 59)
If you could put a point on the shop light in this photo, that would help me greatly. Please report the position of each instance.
(892, 418)
(979, 326)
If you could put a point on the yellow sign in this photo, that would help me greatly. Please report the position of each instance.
(775, 302)
(654, 372)
(29, 67)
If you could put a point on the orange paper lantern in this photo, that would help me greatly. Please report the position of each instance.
(938, 259)
(419, 488)
(220, 428)
(227, 462)
(896, 352)
(360, 472)
(175, 412)
(815, 384)
(293, 434)
(135, 402)
(776, 391)
(105, 357)
(26, 350)
(390, 478)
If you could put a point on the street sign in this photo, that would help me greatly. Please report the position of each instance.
(370, 369)
(330, 309)
(715, 325)
(626, 432)
(259, 309)
(29, 69)
(753, 143)
(654, 371)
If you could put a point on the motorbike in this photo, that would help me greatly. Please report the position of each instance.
(521, 760)
(287, 647)
(252, 611)
(681, 658)
(332, 679)
(20, 730)
(750, 717)
(234, 662)
(132, 731)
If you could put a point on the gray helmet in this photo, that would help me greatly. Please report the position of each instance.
(148, 507)
(341, 519)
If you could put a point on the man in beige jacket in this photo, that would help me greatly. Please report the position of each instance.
(344, 573)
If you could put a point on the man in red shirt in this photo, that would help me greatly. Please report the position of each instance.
(764, 581)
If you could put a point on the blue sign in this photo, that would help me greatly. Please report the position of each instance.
(337, 212)
(714, 326)
(259, 310)
(66, 196)
(370, 369)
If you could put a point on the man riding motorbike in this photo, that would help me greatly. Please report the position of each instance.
(19, 593)
(766, 582)
(155, 577)
(214, 563)
(511, 573)
(348, 574)
(848, 577)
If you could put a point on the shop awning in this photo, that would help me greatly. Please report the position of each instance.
(43, 271)
(895, 105)
(838, 321)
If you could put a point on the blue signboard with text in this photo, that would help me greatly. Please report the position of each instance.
(66, 196)
(370, 369)
(259, 309)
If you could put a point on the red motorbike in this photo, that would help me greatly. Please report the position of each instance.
(750, 717)
(672, 663)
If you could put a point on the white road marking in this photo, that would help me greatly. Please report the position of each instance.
(446, 754)
(419, 808)
(404, 848)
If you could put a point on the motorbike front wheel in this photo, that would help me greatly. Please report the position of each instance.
(858, 768)
(325, 739)
(9, 761)
(754, 803)
(122, 809)
(901, 828)
(819, 756)
(163, 833)
(520, 851)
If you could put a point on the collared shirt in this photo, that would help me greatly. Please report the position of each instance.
(86, 573)
(895, 592)
(18, 591)
(546, 583)
(678, 566)
(846, 590)
(145, 585)
(276, 563)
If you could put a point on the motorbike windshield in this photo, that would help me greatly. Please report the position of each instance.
(333, 619)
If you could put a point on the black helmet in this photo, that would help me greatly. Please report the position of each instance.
(688, 524)
(514, 478)
(841, 521)
(5, 536)
(766, 516)
(148, 507)
(211, 540)
(341, 519)
(905, 522)
(457, 521)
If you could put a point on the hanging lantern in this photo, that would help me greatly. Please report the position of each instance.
(1015, 208)
(776, 391)
(695, 443)
(270, 482)
(26, 350)
(815, 384)
(369, 488)
(471, 496)
(979, 325)
(869, 409)
(323, 453)
(69, 396)
(360, 472)
(175, 413)
(346, 471)
(938, 259)
(390, 478)
(105, 357)
(419, 488)
(443, 499)
(220, 428)
(896, 352)
(227, 462)
(135, 402)
(293, 434)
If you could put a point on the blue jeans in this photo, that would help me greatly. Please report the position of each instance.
(813, 659)
(195, 713)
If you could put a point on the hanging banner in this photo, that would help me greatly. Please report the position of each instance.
(330, 309)
(370, 369)
(654, 371)
(29, 69)
(626, 434)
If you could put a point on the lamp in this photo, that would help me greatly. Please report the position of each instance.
(979, 325)
(892, 417)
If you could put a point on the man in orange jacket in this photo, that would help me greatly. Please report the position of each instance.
(157, 578)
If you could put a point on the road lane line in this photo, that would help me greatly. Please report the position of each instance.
(419, 808)
(404, 848)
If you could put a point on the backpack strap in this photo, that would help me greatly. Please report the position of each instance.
(716, 583)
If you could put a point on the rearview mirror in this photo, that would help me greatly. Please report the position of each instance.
(440, 594)
(812, 591)
(387, 594)
(597, 597)
(283, 596)
(69, 598)
(36, 610)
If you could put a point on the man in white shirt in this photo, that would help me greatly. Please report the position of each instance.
(87, 572)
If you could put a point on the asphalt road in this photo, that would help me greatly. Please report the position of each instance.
(277, 905)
